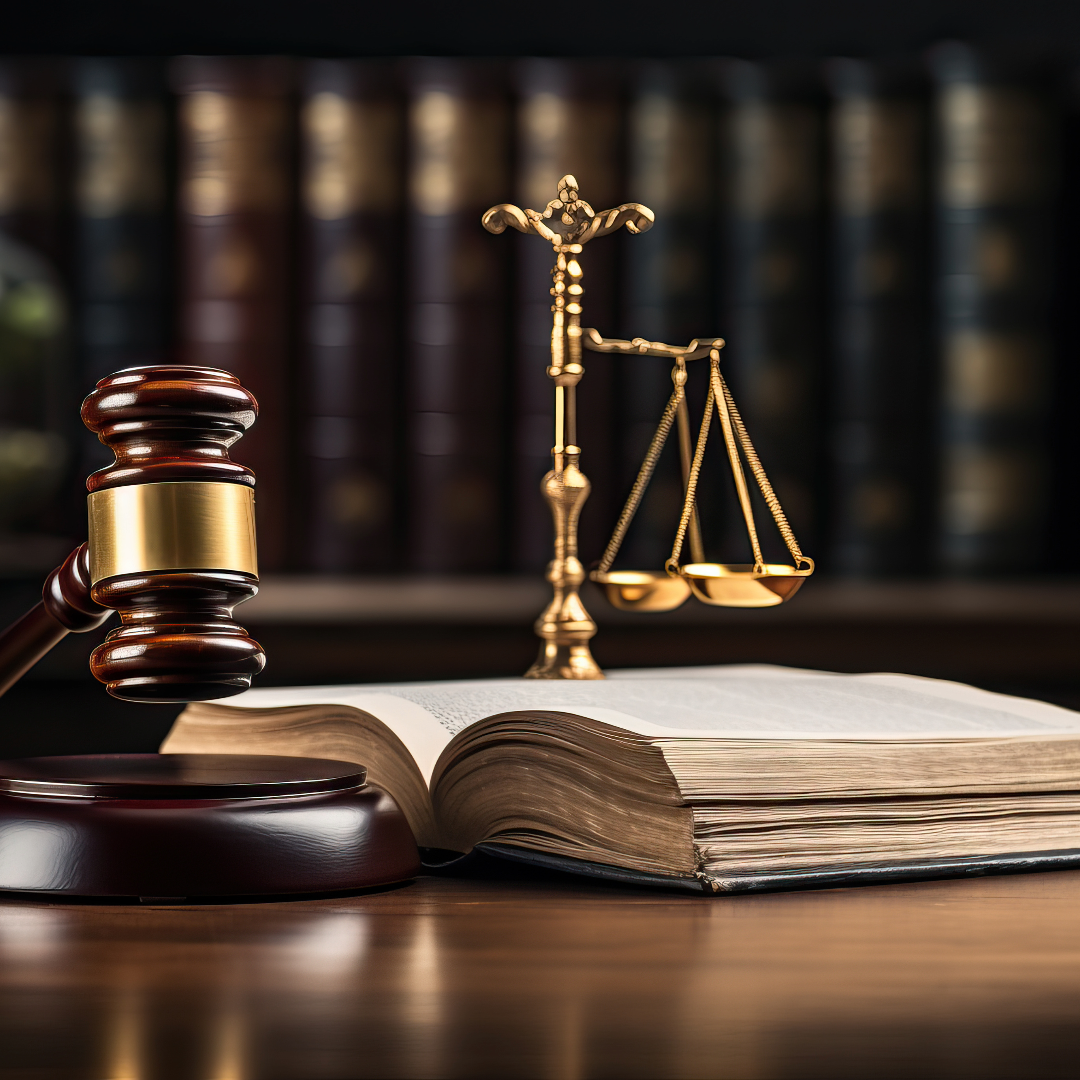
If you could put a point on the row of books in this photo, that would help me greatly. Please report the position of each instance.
(883, 244)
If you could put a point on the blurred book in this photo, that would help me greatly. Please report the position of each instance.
(772, 280)
(121, 227)
(880, 381)
(236, 180)
(998, 157)
(457, 364)
(121, 254)
(568, 121)
(668, 280)
(349, 374)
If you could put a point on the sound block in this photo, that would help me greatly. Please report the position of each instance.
(180, 826)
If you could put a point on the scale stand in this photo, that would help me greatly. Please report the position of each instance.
(567, 223)
(565, 627)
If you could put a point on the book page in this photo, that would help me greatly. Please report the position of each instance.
(423, 735)
(738, 701)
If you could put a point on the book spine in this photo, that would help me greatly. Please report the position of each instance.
(456, 311)
(880, 380)
(995, 183)
(668, 281)
(234, 230)
(568, 121)
(771, 289)
(352, 125)
(1063, 512)
(32, 129)
(121, 222)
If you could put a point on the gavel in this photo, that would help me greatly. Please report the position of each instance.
(171, 547)
(171, 543)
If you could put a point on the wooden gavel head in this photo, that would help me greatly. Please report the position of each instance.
(172, 533)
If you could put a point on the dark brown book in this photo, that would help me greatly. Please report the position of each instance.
(235, 128)
(995, 192)
(351, 197)
(456, 350)
(568, 121)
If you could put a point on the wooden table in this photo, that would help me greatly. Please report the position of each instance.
(526, 974)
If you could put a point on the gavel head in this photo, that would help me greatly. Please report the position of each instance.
(172, 533)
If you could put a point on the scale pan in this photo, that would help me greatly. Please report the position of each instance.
(737, 585)
(642, 590)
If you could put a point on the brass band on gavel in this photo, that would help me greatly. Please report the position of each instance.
(185, 525)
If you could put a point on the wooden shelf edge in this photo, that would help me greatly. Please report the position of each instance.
(517, 600)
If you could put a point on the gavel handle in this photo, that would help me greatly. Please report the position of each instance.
(65, 608)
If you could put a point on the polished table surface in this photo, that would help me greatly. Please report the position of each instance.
(526, 974)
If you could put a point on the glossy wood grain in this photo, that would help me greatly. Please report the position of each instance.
(169, 423)
(65, 607)
(196, 825)
(178, 639)
(533, 975)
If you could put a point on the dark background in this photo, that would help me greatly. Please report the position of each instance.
(56, 710)
(750, 28)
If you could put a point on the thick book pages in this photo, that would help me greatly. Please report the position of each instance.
(351, 130)
(772, 286)
(998, 157)
(458, 147)
(235, 265)
(567, 121)
(718, 778)
(881, 383)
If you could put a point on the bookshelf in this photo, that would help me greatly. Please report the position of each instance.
(1012, 635)
(1008, 634)
(994, 633)
(508, 601)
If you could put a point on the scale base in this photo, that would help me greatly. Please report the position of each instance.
(188, 826)
(564, 662)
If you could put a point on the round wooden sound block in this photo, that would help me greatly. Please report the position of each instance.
(178, 826)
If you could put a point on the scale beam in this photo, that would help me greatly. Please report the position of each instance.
(698, 349)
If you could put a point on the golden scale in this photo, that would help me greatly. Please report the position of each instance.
(565, 627)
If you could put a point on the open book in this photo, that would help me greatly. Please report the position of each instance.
(723, 778)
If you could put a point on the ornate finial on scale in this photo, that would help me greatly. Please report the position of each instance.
(567, 223)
